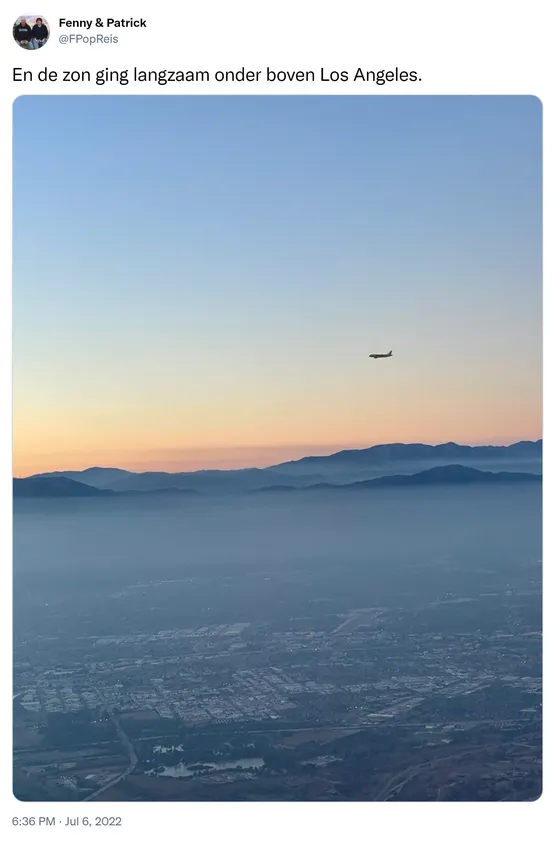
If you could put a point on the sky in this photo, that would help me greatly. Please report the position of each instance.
(198, 281)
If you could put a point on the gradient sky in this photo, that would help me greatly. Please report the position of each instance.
(198, 281)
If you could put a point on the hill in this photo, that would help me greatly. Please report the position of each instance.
(97, 477)
(204, 482)
(57, 486)
(441, 475)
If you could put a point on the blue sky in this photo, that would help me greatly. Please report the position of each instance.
(207, 275)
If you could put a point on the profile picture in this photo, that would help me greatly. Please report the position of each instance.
(31, 32)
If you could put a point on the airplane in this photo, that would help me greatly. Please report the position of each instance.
(380, 356)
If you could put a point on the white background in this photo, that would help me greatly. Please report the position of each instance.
(487, 47)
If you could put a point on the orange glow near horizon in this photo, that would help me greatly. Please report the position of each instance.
(260, 429)
(257, 430)
(59, 456)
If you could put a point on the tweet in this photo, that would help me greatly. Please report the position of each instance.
(275, 335)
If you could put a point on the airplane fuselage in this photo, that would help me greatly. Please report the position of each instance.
(380, 356)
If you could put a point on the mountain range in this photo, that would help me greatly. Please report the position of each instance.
(378, 466)
(442, 475)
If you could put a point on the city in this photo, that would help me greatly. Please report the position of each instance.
(176, 712)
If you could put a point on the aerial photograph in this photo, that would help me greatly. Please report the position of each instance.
(277, 449)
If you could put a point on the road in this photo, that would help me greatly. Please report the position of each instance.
(133, 759)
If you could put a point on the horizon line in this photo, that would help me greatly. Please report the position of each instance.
(286, 461)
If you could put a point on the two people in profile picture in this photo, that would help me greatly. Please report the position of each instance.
(31, 33)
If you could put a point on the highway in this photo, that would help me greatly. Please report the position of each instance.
(133, 759)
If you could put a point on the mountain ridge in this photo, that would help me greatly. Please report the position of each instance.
(342, 467)
(402, 450)
(56, 487)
